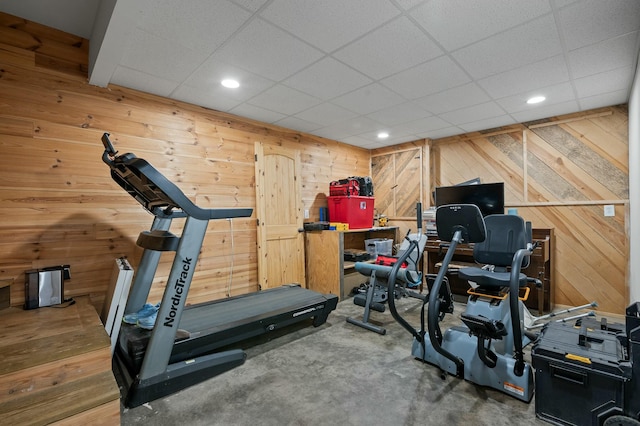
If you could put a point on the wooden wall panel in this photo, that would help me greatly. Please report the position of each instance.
(575, 165)
(60, 204)
(490, 157)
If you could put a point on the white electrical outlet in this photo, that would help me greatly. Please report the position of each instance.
(306, 213)
(609, 210)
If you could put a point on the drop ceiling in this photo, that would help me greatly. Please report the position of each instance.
(349, 69)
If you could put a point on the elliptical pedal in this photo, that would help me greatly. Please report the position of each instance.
(484, 327)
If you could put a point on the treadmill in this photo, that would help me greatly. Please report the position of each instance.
(186, 346)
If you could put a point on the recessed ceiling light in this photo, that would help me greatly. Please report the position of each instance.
(536, 99)
(231, 84)
(383, 135)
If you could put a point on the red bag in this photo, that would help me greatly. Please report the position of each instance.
(388, 261)
(344, 187)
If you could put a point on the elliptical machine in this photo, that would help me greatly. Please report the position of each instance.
(409, 274)
(487, 349)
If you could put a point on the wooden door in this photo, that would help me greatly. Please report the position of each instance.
(279, 213)
(397, 182)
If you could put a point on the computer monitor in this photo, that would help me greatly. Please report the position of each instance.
(489, 197)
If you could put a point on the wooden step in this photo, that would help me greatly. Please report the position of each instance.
(56, 366)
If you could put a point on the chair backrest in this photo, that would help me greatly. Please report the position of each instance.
(506, 234)
(465, 218)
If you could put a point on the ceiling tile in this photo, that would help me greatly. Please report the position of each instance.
(257, 113)
(351, 127)
(457, 23)
(559, 93)
(392, 48)
(327, 79)
(252, 5)
(196, 96)
(329, 24)
(298, 124)
(402, 113)
(145, 82)
(529, 77)
(268, 51)
(336, 67)
(207, 29)
(591, 21)
(326, 114)
(363, 142)
(423, 125)
(546, 111)
(147, 53)
(604, 56)
(431, 77)
(397, 135)
(489, 123)
(610, 81)
(442, 133)
(525, 44)
(603, 100)
(368, 99)
(558, 4)
(409, 4)
(289, 101)
(473, 113)
(209, 76)
(452, 99)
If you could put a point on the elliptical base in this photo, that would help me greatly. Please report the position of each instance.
(457, 341)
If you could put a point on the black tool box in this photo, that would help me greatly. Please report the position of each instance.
(353, 255)
(582, 373)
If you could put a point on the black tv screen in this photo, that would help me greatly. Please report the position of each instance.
(489, 197)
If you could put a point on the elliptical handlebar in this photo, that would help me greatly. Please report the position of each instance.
(434, 311)
(514, 286)
(391, 284)
(393, 274)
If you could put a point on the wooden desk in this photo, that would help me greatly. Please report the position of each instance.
(326, 270)
(540, 267)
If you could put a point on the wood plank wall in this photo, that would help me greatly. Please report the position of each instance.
(60, 205)
(559, 173)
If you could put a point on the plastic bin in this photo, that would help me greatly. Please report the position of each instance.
(376, 246)
(356, 211)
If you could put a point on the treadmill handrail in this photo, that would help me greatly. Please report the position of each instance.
(156, 193)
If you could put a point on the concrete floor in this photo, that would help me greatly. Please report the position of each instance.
(337, 374)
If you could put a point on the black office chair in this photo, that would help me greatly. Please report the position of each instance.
(505, 235)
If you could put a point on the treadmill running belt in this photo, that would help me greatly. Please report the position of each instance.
(219, 314)
(213, 325)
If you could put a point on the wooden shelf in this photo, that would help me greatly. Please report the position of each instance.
(326, 270)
